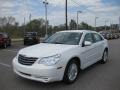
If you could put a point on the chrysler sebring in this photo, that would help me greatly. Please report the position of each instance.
(61, 57)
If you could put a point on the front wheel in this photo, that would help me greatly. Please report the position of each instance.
(105, 57)
(71, 72)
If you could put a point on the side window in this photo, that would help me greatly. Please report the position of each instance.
(97, 37)
(88, 37)
(5, 35)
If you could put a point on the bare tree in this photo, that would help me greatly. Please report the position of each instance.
(10, 20)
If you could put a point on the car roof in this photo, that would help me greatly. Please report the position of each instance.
(80, 31)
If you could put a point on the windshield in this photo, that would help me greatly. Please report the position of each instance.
(70, 38)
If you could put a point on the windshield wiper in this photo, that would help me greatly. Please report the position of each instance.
(44, 42)
(53, 42)
(58, 43)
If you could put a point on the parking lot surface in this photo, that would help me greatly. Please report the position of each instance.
(97, 77)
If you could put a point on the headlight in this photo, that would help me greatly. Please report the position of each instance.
(49, 61)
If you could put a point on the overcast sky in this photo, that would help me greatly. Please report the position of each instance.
(104, 9)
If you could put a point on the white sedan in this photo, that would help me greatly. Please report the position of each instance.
(61, 56)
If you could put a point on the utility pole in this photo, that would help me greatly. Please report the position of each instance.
(30, 17)
(96, 22)
(78, 19)
(30, 21)
(66, 15)
(46, 22)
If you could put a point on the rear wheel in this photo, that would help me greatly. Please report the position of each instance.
(24, 43)
(9, 43)
(71, 72)
(105, 57)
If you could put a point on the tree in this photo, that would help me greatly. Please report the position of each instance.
(84, 25)
(37, 25)
(16, 24)
(10, 20)
(72, 24)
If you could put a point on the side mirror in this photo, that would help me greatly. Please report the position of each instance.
(87, 43)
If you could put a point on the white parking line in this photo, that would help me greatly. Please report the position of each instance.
(6, 65)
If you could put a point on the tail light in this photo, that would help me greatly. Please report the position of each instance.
(1, 39)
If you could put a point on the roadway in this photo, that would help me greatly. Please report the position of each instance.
(97, 77)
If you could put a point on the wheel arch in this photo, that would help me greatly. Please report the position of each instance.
(106, 49)
(77, 59)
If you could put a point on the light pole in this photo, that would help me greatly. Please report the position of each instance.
(106, 25)
(96, 22)
(119, 23)
(111, 26)
(78, 18)
(46, 3)
(30, 21)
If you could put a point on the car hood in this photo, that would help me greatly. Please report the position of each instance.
(45, 50)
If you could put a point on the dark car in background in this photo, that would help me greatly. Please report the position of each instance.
(31, 38)
(5, 40)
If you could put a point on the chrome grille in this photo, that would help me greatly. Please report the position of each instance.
(26, 60)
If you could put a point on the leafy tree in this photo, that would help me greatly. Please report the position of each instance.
(85, 26)
(72, 24)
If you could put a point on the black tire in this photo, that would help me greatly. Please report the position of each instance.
(66, 78)
(104, 57)
(24, 43)
(9, 43)
(5, 45)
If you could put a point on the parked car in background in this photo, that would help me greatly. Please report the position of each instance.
(107, 35)
(61, 56)
(104, 35)
(5, 40)
(31, 38)
(115, 36)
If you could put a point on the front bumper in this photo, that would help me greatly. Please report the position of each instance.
(38, 72)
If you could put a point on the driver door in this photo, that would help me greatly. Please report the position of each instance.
(88, 52)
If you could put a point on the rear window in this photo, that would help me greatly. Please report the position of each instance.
(1, 35)
(4, 35)
(31, 34)
(97, 37)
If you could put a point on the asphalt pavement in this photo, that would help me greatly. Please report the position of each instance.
(96, 77)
